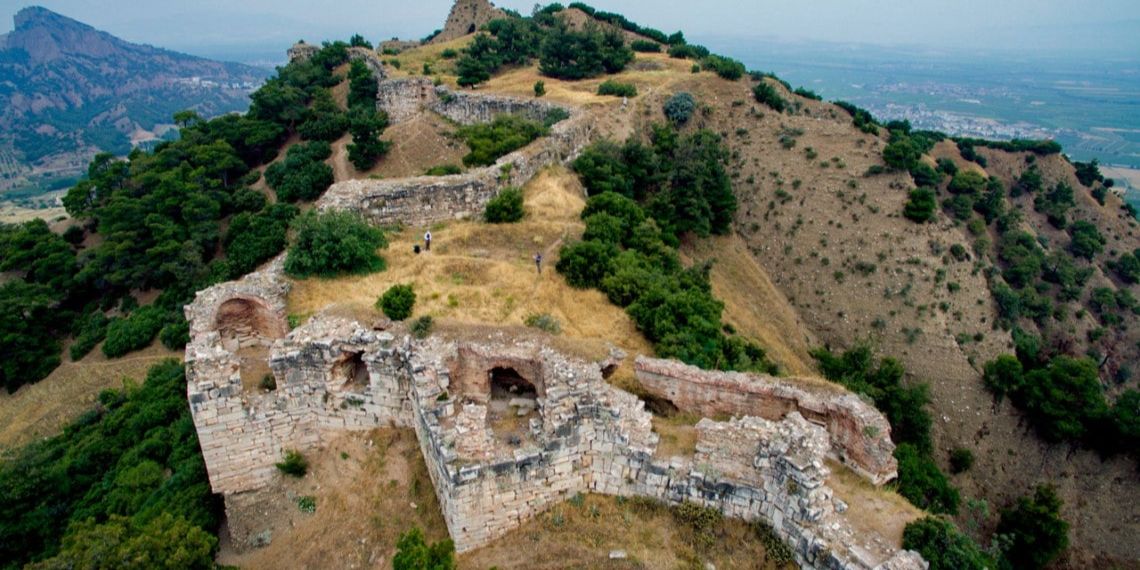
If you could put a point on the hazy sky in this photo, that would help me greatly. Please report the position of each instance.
(206, 26)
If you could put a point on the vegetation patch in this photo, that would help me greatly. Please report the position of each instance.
(505, 134)
(617, 89)
(330, 244)
(397, 302)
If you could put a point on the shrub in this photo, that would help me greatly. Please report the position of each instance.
(294, 464)
(175, 335)
(920, 205)
(545, 322)
(134, 332)
(90, 331)
(422, 326)
(941, 545)
(961, 460)
(334, 243)
(444, 170)
(585, 263)
(922, 483)
(539, 88)
(645, 46)
(412, 553)
(569, 54)
(901, 153)
(505, 134)
(1033, 530)
(765, 93)
(1087, 241)
(947, 167)
(302, 175)
(449, 53)
(679, 108)
(397, 302)
(611, 87)
(505, 208)
(725, 67)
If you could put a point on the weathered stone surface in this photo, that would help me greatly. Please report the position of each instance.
(860, 435)
(466, 17)
(492, 469)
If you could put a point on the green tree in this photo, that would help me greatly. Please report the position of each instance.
(901, 153)
(1087, 241)
(968, 182)
(1034, 530)
(505, 208)
(366, 126)
(412, 553)
(334, 243)
(397, 302)
(165, 542)
(943, 546)
(29, 350)
(505, 134)
(920, 205)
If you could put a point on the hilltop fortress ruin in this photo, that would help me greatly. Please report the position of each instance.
(508, 429)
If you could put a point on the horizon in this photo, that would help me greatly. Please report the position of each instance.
(260, 29)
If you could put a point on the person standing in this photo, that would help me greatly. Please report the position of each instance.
(427, 240)
(538, 262)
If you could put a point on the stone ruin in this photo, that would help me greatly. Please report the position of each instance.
(508, 429)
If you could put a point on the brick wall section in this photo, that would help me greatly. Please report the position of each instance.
(860, 435)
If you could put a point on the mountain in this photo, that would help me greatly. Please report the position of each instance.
(68, 91)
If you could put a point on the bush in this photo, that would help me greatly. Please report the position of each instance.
(422, 326)
(505, 208)
(397, 302)
(539, 88)
(611, 87)
(90, 331)
(175, 335)
(1087, 240)
(334, 243)
(1033, 530)
(585, 263)
(134, 332)
(645, 46)
(725, 67)
(922, 483)
(679, 108)
(294, 464)
(765, 93)
(545, 322)
(901, 153)
(412, 553)
(961, 460)
(444, 170)
(505, 134)
(449, 53)
(920, 205)
(302, 175)
(941, 545)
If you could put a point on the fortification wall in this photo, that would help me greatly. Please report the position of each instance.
(426, 200)
(860, 435)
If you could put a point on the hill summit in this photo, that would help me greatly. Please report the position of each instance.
(71, 90)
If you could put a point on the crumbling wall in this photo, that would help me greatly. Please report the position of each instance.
(860, 435)
(261, 293)
(425, 200)
(243, 433)
(405, 98)
(471, 108)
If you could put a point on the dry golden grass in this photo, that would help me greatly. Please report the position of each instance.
(13, 214)
(412, 61)
(581, 534)
(752, 304)
(369, 489)
(41, 409)
(872, 510)
(678, 434)
(480, 273)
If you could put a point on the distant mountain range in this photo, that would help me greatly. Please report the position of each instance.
(68, 91)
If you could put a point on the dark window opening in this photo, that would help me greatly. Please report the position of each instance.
(507, 383)
(351, 372)
(471, 29)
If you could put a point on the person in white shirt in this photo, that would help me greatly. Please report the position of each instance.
(427, 241)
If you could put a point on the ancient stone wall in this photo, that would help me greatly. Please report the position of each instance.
(424, 200)
(860, 435)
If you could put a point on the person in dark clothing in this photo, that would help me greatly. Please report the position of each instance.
(538, 262)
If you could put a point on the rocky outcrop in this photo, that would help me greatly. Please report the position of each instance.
(466, 17)
(860, 435)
